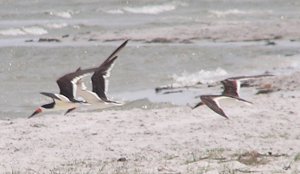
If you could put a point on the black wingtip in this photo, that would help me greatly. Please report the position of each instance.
(122, 45)
(78, 69)
(197, 105)
(51, 95)
(225, 116)
(240, 99)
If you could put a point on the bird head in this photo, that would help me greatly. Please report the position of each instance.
(37, 111)
(42, 108)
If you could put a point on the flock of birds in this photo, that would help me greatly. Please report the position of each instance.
(73, 93)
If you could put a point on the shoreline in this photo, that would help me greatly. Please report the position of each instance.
(217, 31)
(264, 138)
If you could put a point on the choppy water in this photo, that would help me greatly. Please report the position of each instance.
(28, 67)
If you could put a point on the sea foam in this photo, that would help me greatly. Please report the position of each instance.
(202, 76)
(56, 25)
(33, 30)
(12, 32)
(147, 9)
(115, 11)
(151, 9)
(62, 14)
(224, 13)
(219, 13)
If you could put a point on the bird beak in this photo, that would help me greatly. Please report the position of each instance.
(35, 112)
(69, 110)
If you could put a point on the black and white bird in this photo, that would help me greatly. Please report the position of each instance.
(97, 98)
(67, 99)
(231, 89)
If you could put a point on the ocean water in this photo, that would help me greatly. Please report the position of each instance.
(28, 67)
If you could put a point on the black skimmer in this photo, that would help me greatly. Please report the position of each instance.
(68, 86)
(66, 99)
(97, 97)
(60, 102)
(232, 87)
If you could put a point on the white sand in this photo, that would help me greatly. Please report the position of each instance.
(169, 140)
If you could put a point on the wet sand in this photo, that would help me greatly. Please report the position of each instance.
(263, 138)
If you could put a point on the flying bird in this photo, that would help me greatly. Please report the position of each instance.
(231, 89)
(67, 98)
(232, 85)
(60, 102)
(97, 97)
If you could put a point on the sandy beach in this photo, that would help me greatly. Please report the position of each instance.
(169, 40)
(263, 138)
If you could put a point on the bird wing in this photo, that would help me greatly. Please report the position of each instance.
(67, 83)
(213, 103)
(250, 77)
(57, 98)
(231, 87)
(99, 78)
(243, 100)
(197, 105)
(114, 54)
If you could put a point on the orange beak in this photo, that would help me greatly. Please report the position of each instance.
(35, 112)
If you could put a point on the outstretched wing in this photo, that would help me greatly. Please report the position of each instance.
(213, 104)
(51, 95)
(249, 77)
(114, 54)
(99, 78)
(56, 97)
(231, 87)
(197, 105)
(243, 100)
(67, 83)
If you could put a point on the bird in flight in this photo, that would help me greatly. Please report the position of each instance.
(231, 89)
(98, 96)
(68, 84)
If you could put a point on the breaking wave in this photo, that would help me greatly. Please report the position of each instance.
(56, 25)
(150, 9)
(115, 11)
(225, 13)
(62, 14)
(202, 76)
(228, 12)
(147, 9)
(12, 32)
(23, 31)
